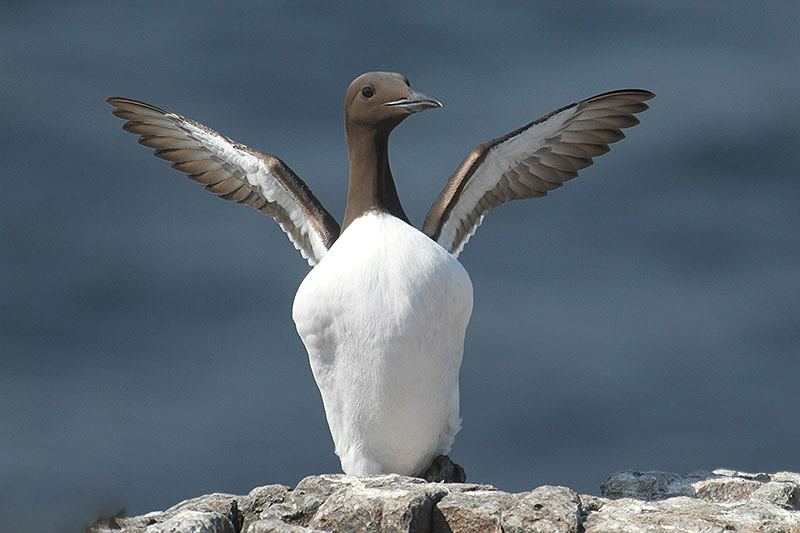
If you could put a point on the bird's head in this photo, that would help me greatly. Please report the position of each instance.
(382, 100)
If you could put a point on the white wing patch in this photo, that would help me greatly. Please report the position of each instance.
(529, 162)
(234, 172)
(501, 158)
(258, 175)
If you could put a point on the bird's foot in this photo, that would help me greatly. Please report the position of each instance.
(442, 469)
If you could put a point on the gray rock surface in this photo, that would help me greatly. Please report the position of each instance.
(722, 500)
(631, 502)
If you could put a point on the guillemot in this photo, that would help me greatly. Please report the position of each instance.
(384, 310)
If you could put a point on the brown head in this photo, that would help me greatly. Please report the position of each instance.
(375, 103)
(382, 100)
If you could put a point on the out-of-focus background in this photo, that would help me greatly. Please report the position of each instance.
(644, 316)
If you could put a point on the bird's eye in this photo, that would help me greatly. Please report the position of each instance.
(367, 92)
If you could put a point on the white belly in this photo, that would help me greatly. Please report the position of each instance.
(383, 317)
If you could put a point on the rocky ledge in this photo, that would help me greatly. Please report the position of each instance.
(631, 502)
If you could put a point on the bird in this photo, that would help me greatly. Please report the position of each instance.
(384, 309)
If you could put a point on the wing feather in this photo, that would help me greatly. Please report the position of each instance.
(234, 172)
(530, 162)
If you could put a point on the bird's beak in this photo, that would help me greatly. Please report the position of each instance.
(415, 102)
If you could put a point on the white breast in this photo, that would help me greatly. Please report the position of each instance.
(383, 317)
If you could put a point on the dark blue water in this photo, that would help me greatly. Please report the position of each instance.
(644, 316)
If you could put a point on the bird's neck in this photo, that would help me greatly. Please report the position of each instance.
(371, 184)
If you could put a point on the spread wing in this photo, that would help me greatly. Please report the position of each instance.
(234, 172)
(529, 162)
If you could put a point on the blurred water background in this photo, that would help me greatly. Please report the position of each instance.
(645, 316)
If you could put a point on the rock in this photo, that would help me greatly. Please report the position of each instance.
(213, 513)
(261, 498)
(722, 500)
(194, 521)
(649, 486)
(722, 486)
(686, 514)
(226, 505)
(631, 502)
(545, 509)
(271, 525)
(479, 510)
(395, 507)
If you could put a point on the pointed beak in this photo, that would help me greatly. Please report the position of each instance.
(415, 102)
